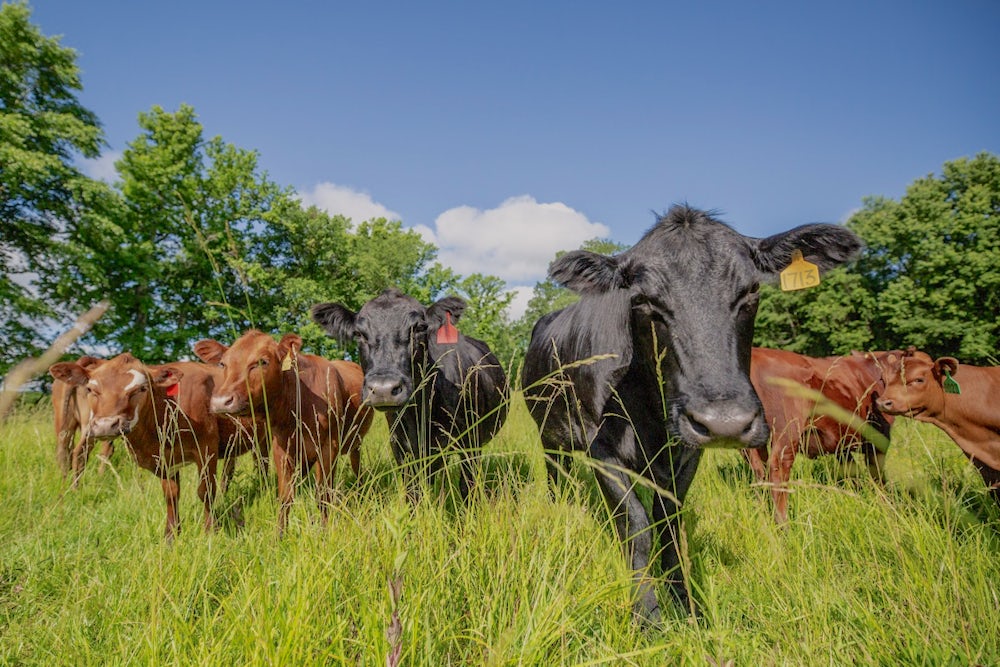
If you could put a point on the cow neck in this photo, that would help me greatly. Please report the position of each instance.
(967, 418)
(292, 388)
(154, 415)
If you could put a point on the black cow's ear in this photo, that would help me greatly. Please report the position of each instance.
(588, 272)
(338, 321)
(449, 304)
(824, 245)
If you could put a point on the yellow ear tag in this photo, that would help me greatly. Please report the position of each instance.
(286, 363)
(800, 274)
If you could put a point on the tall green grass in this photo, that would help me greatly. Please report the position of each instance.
(906, 575)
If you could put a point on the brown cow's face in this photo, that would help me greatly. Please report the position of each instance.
(912, 382)
(251, 369)
(117, 391)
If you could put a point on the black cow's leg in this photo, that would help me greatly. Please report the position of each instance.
(673, 472)
(632, 526)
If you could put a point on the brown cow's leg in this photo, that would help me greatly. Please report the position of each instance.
(80, 455)
(355, 458)
(63, 438)
(171, 492)
(107, 451)
(206, 489)
(284, 466)
(757, 458)
(782, 458)
(326, 469)
(226, 476)
(876, 464)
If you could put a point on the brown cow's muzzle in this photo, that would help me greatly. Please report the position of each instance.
(107, 428)
(891, 407)
(229, 404)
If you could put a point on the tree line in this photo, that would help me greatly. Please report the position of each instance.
(194, 240)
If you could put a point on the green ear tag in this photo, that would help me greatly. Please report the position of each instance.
(950, 384)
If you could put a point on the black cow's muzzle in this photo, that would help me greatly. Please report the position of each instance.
(385, 391)
(730, 423)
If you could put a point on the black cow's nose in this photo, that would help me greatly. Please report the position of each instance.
(385, 391)
(723, 423)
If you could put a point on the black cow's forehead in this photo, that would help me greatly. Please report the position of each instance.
(388, 310)
(710, 258)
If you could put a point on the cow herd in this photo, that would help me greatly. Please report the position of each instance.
(648, 368)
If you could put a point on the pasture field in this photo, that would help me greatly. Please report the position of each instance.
(909, 575)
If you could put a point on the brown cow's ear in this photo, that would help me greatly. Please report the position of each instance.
(164, 376)
(289, 343)
(946, 365)
(70, 373)
(210, 351)
(89, 362)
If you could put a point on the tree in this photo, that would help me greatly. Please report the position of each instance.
(933, 262)
(833, 318)
(43, 127)
(171, 259)
(929, 275)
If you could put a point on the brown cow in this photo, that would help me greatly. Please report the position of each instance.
(961, 400)
(162, 414)
(312, 406)
(798, 424)
(71, 414)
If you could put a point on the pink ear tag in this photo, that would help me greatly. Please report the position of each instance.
(173, 390)
(447, 334)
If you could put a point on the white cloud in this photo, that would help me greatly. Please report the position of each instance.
(519, 305)
(342, 200)
(514, 241)
(102, 168)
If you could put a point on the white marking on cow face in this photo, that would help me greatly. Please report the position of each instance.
(92, 382)
(138, 380)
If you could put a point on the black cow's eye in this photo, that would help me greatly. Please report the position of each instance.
(221, 365)
(420, 327)
(142, 389)
(262, 362)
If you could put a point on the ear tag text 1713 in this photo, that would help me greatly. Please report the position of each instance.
(447, 334)
(951, 384)
(800, 274)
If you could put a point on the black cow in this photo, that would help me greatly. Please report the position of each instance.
(652, 365)
(434, 385)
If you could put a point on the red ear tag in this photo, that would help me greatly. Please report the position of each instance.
(173, 390)
(447, 334)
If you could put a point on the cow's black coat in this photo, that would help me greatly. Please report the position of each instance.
(652, 365)
(432, 393)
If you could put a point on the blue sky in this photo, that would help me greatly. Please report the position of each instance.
(505, 131)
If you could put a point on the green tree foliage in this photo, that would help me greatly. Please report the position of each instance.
(172, 257)
(933, 261)
(833, 318)
(43, 127)
(201, 243)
